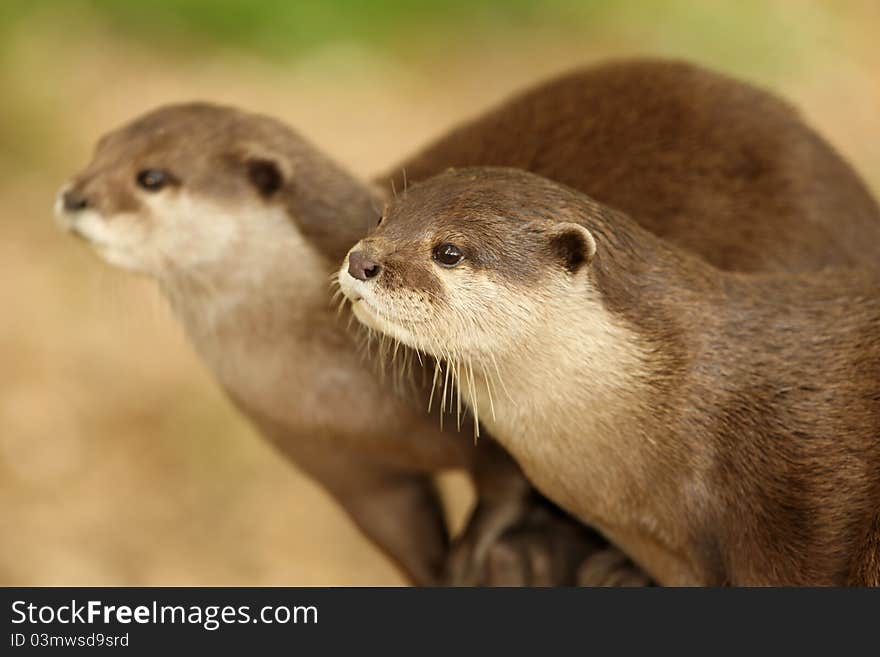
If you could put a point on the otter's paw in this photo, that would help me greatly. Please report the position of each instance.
(470, 554)
(531, 544)
(531, 557)
(611, 567)
(515, 559)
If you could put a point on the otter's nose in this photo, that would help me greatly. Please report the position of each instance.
(73, 201)
(361, 267)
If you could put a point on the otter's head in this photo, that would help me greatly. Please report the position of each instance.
(198, 188)
(470, 262)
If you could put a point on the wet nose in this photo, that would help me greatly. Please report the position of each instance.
(361, 267)
(73, 201)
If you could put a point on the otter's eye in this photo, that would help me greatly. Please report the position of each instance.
(448, 255)
(152, 179)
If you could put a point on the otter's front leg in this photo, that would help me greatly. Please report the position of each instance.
(516, 537)
(402, 514)
(399, 511)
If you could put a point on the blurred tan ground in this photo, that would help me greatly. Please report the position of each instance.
(120, 461)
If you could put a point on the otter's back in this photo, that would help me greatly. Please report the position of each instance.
(714, 165)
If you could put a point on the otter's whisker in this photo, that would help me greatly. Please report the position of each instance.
(445, 387)
(501, 380)
(434, 386)
(410, 379)
(490, 385)
(369, 342)
(380, 352)
(457, 379)
(474, 405)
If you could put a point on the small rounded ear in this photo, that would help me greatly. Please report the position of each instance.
(265, 175)
(573, 245)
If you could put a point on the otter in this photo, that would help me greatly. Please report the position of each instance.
(239, 218)
(230, 212)
(719, 427)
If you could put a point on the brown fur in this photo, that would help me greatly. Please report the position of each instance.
(746, 446)
(211, 150)
(275, 330)
(715, 165)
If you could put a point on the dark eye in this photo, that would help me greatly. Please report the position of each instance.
(448, 255)
(152, 179)
(379, 223)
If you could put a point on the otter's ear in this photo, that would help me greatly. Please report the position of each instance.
(573, 245)
(265, 175)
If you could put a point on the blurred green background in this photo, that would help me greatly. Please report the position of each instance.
(120, 461)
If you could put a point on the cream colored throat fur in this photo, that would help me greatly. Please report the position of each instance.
(251, 319)
(560, 393)
(245, 285)
(568, 404)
